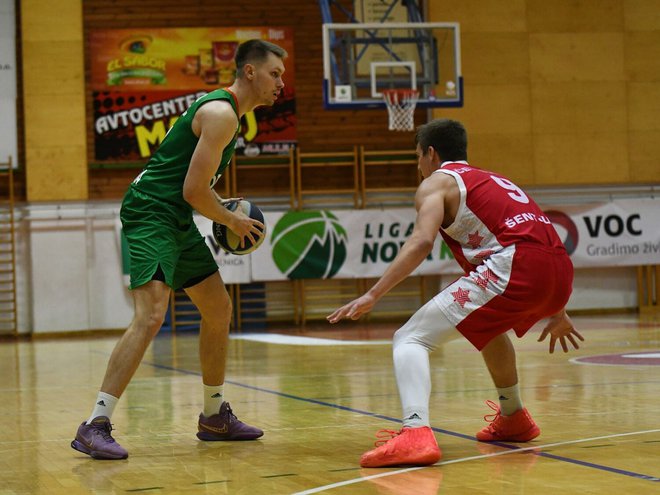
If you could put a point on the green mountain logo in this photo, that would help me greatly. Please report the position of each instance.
(309, 244)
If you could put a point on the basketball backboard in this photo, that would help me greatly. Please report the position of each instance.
(360, 60)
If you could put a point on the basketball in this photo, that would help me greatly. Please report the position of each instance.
(228, 240)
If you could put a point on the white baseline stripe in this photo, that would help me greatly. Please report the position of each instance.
(472, 458)
(275, 338)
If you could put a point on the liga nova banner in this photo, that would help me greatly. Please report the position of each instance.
(362, 243)
(143, 79)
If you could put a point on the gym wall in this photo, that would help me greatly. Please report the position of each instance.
(565, 93)
(560, 92)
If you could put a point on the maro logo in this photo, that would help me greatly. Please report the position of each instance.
(563, 223)
(309, 244)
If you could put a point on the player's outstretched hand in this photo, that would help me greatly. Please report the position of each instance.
(560, 327)
(354, 309)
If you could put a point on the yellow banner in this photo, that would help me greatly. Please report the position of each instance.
(175, 58)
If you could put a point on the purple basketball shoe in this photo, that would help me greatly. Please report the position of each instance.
(94, 439)
(225, 426)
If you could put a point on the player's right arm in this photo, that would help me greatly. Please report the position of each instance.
(430, 204)
(215, 124)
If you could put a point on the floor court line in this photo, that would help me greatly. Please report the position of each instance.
(514, 448)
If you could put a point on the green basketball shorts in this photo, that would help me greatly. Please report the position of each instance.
(161, 234)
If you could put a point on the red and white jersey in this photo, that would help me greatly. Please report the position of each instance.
(493, 213)
(506, 245)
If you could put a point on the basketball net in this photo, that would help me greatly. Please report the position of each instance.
(401, 105)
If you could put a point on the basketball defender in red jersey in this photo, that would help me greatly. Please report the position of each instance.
(517, 272)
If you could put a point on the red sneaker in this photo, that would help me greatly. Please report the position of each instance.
(410, 446)
(519, 427)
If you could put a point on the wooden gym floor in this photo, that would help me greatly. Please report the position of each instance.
(320, 406)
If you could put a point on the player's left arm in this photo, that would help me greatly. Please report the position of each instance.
(429, 201)
(560, 327)
(217, 124)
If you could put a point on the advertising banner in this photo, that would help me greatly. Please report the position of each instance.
(340, 244)
(624, 232)
(8, 130)
(362, 243)
(143, 79)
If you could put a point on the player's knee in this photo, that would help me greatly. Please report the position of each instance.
(219, 311)
(155, 320)
(414, 332)
(226, 307)
(151, 319)
(400, 336)
(407, 335)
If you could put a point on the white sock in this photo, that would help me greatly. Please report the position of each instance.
(213, 399)
(413, 377)
(105, 406)
(509, 400)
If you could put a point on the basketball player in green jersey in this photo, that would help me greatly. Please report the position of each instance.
(167, 251)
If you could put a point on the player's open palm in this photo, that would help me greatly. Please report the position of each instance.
(560, 328)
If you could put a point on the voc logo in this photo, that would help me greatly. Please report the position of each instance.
(565, 224)
(613, 225)
(309, 244)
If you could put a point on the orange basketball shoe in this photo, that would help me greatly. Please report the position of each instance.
(519, 427)
(410, 446)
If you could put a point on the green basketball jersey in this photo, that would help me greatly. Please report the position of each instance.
(166, 170)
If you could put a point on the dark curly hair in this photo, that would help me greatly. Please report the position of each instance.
(448, 138)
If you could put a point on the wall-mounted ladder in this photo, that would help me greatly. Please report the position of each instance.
(8, 325)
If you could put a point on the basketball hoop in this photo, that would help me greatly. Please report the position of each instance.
(401, 108)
